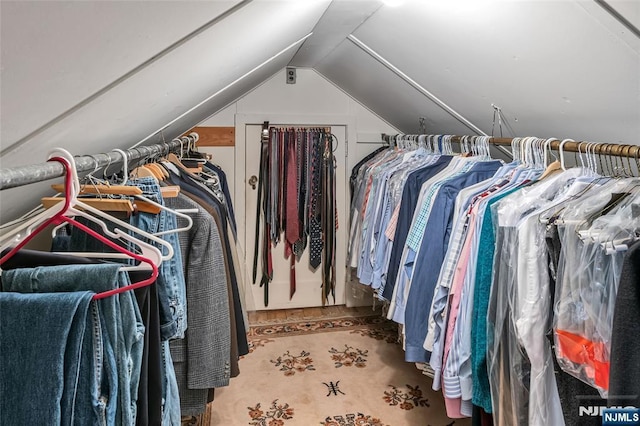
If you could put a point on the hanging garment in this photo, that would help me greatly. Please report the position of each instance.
(353, 179)
(315, 204)
(224, 184)
(117, 369)
(149, 404)
(510, 300)
(430, 254)
(210, 203)
(449, 333)
(58, 322)
(203, 360)
(165, 397)
(234, 283)
(488, 327)
(379, 204)
(586, 301)
(481, 391)
(569, 387)
(429, 189)
(171, 283)
(263, 212)
(624, 383)
(149, 401)
(400, 221)
(119, 325)
(329, 221)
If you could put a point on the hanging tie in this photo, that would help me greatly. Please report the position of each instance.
(329, 220)
(274, 193)
(292, 224)
(315, 227)
(267, 266)
(265, 206)
(281, 183)
(301, 243)
(262, 203)
(292, 232)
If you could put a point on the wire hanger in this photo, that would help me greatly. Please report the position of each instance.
(150, 257)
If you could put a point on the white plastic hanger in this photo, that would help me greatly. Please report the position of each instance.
(78, 208)
(125, 165)
(547, 150)
(561, 152)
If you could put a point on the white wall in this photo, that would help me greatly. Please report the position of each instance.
(311, 95)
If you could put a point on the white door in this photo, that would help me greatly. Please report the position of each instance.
(308, 282)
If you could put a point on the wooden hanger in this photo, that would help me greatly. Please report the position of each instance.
(103, 189)
(103, 204)
(108, 204)
(171, 191)
(142, 171)
(161, 173)
(113, 204)
(175, 160)
(551, 169)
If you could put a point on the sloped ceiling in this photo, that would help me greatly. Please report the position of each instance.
(93, 76)
(560, 68)
(131, 68)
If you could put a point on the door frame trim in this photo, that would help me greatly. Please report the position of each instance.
(241, 121)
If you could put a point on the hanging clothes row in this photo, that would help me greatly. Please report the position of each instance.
(504, 276)
(296, 198)
(147, 356)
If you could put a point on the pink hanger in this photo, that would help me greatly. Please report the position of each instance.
(60, 218)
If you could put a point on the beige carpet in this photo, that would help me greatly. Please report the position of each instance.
(332, 372)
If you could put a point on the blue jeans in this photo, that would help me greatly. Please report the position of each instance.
(172, 292)
(109, 368)
(41, 340)
(171, 397)
(172, 295)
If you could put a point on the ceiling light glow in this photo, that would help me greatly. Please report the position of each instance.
(393, 3)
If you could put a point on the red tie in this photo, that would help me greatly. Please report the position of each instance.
(292, 232)
(292, 221)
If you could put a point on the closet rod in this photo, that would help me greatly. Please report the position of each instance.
(13, 177)
(611, 149)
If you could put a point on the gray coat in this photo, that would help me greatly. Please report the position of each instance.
(202, 358)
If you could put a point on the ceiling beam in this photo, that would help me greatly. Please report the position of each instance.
(619, 17)
(339, 20)
(455, 114)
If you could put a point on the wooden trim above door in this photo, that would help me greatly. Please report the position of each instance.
(215, 136)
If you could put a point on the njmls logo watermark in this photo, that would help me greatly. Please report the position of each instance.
(612, 415)
(596, 410)
(621, 416)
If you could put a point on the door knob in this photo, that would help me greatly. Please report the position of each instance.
(252, 181)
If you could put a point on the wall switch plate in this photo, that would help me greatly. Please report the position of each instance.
(291, 75)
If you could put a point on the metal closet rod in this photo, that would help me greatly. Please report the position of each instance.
(612, 149)
(13, 177)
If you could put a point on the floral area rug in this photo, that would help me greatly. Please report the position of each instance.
(298, 374)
